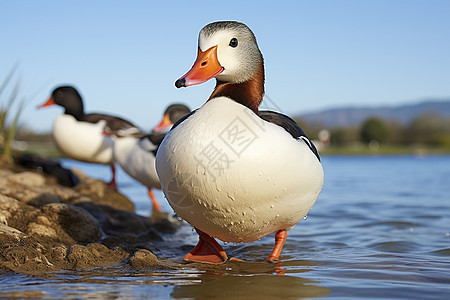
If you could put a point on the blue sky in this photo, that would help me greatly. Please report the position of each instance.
(124, 56)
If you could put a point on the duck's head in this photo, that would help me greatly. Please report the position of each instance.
(67, 97)
(227, 51)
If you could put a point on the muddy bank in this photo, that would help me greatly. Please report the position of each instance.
(45, 226)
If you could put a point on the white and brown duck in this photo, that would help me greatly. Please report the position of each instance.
(234, 172)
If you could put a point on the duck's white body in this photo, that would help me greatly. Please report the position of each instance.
(83, 141)
(235, 176)
(136, 158)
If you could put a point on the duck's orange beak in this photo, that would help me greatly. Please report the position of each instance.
(165, 123)
(206, 66)
(48, 103)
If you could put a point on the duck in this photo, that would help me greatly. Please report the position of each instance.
(79, 136)
(233, 172)
(135, 152)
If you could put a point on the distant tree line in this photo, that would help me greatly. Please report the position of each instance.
(429, 129)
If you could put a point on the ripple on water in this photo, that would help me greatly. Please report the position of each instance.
(443, 252)
(392, 224)
(394, 246)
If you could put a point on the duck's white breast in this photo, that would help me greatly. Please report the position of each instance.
(82, 140)
(235, 176)
(136, 161)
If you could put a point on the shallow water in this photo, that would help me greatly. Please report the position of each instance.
(380, 229)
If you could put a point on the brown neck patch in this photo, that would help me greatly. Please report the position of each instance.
(248, 93)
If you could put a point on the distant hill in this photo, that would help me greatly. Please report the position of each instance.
(347, 116)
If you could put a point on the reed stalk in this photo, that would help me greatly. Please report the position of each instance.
(8, 131)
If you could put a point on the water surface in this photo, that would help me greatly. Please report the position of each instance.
(380, 229)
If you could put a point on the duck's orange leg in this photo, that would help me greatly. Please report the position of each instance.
(280, 238)
(207, 250)
(155, 203)
(112, 184)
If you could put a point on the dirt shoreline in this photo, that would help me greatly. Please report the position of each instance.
(46, 227)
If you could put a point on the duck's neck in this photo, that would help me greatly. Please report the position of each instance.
(78, 116)
(75, 109)
(248, 93)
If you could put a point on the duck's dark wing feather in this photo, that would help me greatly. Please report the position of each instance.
(114, 123)
(290, 126)
(155, 137)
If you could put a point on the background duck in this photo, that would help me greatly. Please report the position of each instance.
(79, 135)
(233, 172)
(135, 152)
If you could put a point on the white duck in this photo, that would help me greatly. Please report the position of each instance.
(80, 136)
(135, 153)
(233, 172)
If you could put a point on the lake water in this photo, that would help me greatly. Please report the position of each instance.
(380, 229)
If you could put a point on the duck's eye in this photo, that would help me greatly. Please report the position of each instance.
(234, 42)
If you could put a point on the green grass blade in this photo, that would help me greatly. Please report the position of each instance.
(11, 132)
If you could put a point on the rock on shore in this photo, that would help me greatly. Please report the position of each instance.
(47, 227)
